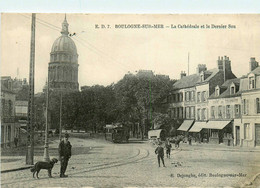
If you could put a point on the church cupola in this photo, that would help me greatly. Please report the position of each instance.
(65, 27)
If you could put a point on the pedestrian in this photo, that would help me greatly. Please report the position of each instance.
(189, 139)
(64, 154)
(168, 148)
(177, 142)
(160, 154)
(15, 141)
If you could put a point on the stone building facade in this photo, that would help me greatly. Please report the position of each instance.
(9, 130)
(250, 98)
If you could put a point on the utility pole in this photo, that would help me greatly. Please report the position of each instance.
(30, 115)
(46, 156)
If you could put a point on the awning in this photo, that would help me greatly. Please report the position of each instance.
(154, 133)
(197, 126)
(185, 125)
(216, 124)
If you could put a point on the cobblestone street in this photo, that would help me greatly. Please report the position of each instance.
(97, 163)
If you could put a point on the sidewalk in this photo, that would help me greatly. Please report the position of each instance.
(218, 147)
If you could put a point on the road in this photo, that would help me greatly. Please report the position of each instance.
(97, 163)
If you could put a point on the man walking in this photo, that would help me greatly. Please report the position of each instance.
(168, 147)
(64, 154)
(160, 154)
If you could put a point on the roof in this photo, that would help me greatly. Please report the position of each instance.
(185, 125)
(192, 80)
(227, 83)
(256, 71)
(187, 81)
(212, 73)
(226, 86)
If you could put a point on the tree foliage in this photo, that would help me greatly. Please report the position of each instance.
(135, 99)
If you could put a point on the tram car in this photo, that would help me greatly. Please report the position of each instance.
(117, 134)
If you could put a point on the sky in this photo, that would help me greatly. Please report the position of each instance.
(106, 55)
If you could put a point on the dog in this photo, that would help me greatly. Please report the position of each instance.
(43, 165)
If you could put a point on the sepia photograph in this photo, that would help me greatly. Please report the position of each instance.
(130, 100)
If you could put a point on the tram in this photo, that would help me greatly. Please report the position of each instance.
(117, 134)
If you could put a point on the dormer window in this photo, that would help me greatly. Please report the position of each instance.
(232, 89)
(252, 82)
(217, 91)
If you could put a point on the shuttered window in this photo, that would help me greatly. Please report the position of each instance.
(257, 105)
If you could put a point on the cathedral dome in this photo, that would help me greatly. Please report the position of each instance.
(64, 44)
(64, 49)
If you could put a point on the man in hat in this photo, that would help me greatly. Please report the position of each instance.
(64, 154)
(160, 153)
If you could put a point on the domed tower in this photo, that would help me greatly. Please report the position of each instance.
(63, 65)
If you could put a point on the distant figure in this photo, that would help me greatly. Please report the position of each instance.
(189, 139)
(160, 154)
(168, 148)
(64, 154)
(15, 141)
(177, 142)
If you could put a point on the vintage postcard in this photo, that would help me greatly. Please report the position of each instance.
(130, 100)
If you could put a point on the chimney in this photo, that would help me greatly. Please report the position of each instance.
(224, 63)
(227, 64)
(253, 64)
(183, 74)
(220, 63)
(201, 67)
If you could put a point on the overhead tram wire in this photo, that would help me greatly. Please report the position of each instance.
(103, 53)
(98, 52)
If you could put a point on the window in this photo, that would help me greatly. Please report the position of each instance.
(257, 106)
(198, 97)
(203, 96)
(232, 90)
(192, 111)
(245, 106)
(213, 112)
(251, 82)
(189, 96)
(172, 113)
(247, 130)
(217, 92)
(219, 111)
(198, 114)
(187, 112)
(177, 97)
(203, 114)
(228, 112)
(192, 96)
(180, 97)
(237, 111)
(181, 112)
